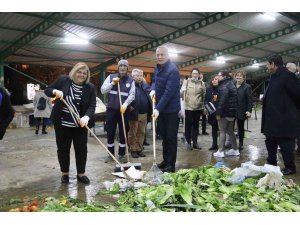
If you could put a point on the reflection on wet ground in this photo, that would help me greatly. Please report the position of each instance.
(29, 166)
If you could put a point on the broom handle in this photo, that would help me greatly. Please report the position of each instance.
(123, 123)
(153, 130)
(100, 142)
(183, 113)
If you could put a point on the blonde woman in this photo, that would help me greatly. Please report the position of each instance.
(77, 90)
(244, 106)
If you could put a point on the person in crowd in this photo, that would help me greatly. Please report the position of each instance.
(139, 112)
(203, 115)
(293, 68)
(42, 109)
(6, 111)
(193, 90)
(226, 113)
(80, 94)
(244, 106)
(280, 114)
(211, 96)
(166, 89)
(114, 108)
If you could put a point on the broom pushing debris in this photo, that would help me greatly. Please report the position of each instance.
(153, 175)
(76, 115)
(127, 165)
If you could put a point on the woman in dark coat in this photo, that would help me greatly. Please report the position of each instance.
(81, 95)
(244, 106)
(212, 96)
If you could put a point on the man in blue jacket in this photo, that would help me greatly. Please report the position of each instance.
(166, 89)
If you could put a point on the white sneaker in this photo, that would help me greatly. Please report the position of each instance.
(219, 154)
(233, 152)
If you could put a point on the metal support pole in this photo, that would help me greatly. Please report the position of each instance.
(102, 79)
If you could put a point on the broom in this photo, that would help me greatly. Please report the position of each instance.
(153, 175)
(100, 142)
(127, 165)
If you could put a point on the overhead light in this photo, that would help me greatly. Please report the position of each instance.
(173, 53)
(220, 59)
(74, 39)
(255, 65)
(268, 16)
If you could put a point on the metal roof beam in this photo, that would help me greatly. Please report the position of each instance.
(246, 44)
(292, 17)
(32, 34)
(259, 60)
(169, 37)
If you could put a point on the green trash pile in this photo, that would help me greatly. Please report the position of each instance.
(205, 189)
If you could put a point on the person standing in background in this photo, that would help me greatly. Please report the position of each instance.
(193, 90)
(42, 109)
(244, 106)
(139, 111)
(226, 113)
(211, 96)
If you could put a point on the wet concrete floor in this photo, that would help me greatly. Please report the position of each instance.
(29, 165)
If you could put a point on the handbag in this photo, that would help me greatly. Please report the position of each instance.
(210, 108)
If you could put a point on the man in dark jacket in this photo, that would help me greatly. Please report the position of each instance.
(226, 112)
(115, 108)
(6, 111)
(280, 116)
(166, 88)
(139, 111)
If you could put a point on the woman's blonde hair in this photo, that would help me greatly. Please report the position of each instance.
(243, 72)
(80, 66)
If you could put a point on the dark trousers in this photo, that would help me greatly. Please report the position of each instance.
(192, 119)
(113, 117)
(287, 146)
(203, 122)
(169, 123)
(64, 137)
(241, 131)
(214, 134)
(4, 122)
(38, 121)
(298, 144)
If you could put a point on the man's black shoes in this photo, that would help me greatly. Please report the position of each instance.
(287, 171)
(65, 179)
(83, 179)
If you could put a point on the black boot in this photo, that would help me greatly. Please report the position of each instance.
(37, 127)
(241, 145)
(44, 129)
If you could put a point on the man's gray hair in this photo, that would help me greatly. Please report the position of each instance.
(291, 67)
(136, 72)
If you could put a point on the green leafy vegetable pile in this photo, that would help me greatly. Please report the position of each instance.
(205, 189)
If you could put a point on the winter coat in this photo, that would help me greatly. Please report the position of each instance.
(87, 103)
(227, 98)
(280, 116)
(166, 84)
(6, 109)
(194, 94)
(144, 87)
(45, 113)
(212, 96)
(244, 100)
